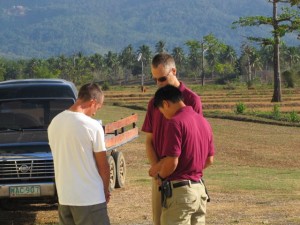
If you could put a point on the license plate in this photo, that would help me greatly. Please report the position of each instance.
(24, 191)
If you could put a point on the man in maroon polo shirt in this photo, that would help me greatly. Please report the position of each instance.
(187, 150)
(164, 72)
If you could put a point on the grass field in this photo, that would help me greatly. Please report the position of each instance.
(255, 178)
(219, 102)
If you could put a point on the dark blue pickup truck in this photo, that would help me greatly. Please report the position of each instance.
(26, 110)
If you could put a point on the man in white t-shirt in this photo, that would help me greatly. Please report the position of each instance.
(80, 164)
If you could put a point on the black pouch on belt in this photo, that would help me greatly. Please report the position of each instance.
(208, 198)
(166, 192)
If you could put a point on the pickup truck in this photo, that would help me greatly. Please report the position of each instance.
(26, 166)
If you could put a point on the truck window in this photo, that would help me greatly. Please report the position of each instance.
(30, 114)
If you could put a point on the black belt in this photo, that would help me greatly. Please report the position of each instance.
(184, 183)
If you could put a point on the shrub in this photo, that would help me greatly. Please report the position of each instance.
(250, 84)
(276, 111)
(105, 86)
(240, 108)
(229, 86)
(288, 77)
(294, 117)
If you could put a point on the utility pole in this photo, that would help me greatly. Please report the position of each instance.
(140, 58)
(202, 63)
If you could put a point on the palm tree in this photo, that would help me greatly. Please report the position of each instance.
(214, 51)
(194, 57)
(112, 63)
(146, 57)
(266, 54)
(229, 55)
(291, 55)
(128, 59)
(160, 47)
(97, 61)
(179, 58)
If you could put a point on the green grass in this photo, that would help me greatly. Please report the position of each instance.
(247, 178)
(111, 113)
(229, 178)
(255, 117)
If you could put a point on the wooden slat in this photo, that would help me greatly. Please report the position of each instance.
(121, 138)
(111, 127)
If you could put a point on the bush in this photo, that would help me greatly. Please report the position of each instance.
(105, 86)
(229, 86)
(276, 111)
(294, 117)
(240, 108)
(288, 77)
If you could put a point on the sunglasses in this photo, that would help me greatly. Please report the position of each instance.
(161, 79)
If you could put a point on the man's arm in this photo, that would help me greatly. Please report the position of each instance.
(103, 170)
(152, 157)
(168, 166)
(209, 161)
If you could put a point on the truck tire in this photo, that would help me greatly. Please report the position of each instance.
(112, 172)
(121, 169)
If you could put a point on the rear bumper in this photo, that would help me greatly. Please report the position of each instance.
(47, 189)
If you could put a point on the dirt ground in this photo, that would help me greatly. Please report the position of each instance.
(131, 205)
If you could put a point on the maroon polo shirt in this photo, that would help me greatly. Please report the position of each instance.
(189, 137)
(155, 122)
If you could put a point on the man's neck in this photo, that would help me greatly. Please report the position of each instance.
(178, 106)
(78, 107)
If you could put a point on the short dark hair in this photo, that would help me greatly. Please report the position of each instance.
(90, 91)
(167, 93)
(163, 58)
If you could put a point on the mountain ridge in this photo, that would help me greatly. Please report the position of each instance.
(42, 28)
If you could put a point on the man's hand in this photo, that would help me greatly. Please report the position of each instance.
(153, 171)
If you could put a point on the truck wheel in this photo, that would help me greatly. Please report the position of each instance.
(112, 172)
(121, 168)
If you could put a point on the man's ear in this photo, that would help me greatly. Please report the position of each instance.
(92, 102)
(165, 104)
(174, 71)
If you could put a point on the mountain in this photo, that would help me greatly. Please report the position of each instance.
(43, 28)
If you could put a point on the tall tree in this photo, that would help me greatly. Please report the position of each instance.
(229, 55)
(194, 57)
(128, 59)
(112, 62)
(146, 57)
(160, 47)
(287, 21)
(179, 58)
(250, 62)
(266, 54)
(215, 49)
(290, 55)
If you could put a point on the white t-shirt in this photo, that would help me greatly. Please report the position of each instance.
(73, 137)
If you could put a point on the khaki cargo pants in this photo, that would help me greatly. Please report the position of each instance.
(187, 206)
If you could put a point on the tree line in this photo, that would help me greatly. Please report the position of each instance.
(206, 59)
